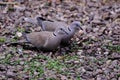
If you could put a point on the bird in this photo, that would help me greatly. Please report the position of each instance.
(53, 25)
(71, 30)
(45, 40)
(50, 25)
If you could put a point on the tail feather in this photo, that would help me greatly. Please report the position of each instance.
(20, 42)
(40, 22)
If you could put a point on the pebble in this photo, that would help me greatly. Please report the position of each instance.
(83, 69)
(19, 34)
(10, 74)
(108, 62)
(76, 62)
(119, 78)
(79, 52)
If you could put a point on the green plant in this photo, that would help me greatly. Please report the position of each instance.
(7, 58)
(34, 67)
(50, 79)
(55, 65)
(78, 78)
(2, 40)
(115, 48)
(19, 29)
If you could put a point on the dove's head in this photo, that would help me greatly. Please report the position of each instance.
(76, 25)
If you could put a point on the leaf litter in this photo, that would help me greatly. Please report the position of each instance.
(93, 55)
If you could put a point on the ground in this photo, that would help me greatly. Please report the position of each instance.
(94, 55)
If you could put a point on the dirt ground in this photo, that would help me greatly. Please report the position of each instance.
(94, 55)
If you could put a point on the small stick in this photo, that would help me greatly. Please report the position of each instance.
(9, 3)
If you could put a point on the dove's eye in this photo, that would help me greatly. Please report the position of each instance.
(61, 29)
(77, 25)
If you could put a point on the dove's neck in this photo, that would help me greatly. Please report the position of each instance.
(71, 28)
(54, 34)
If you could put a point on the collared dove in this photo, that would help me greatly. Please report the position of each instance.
(53, 25)
(49, 25)
(44, 40)
(72, 29)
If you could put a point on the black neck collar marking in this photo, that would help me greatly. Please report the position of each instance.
(54, 34)
(69, 29)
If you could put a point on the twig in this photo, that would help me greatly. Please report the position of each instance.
(1, 3)
(114, 58)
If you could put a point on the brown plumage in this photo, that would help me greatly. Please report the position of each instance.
(53, 25)
(45, 39)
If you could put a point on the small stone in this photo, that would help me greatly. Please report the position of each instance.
(22, 62)
(19, 8)
(27, 51)
(99, 71)
(19, 34)
(114, 63)
(95, 29)
(108, 62)
(94, 0)
(83, 69)
(76, 62)
(63, 77)
(80, 32)
(20, 51)
(114, 79)
(98, 77)
(2, 77)
(81, 61)
(106, 53)
(5, 10)
(79, 52)
(10, 74)
(36, 73)
(10, 79)
(119, 78)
